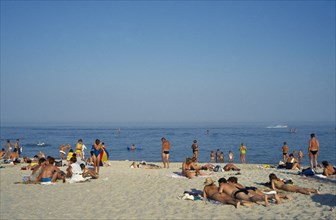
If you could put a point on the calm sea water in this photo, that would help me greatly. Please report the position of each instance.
(263, 143)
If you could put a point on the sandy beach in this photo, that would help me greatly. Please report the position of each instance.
(125, 193)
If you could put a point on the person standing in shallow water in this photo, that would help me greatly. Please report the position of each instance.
(165, 152)
(313, 148)
(242, 150)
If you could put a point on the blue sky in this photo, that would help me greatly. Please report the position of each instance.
(167, 61)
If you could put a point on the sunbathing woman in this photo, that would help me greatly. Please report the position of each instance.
(189, 169)
(328, 170)
(145, 166)
(276, 183)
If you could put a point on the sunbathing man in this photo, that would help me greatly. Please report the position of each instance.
(276, 183)
(242, 194)
(211, 191)
(49, 172)
(37, 170)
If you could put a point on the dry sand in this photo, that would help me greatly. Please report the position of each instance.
(125, 193)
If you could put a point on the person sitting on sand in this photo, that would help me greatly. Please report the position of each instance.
(145, 166)
(74, 168)
(2, 153)
(14, 156)
(189, 169)
(276, 184)
(210, 191)
(87, 172)
(37, 170)
(292, 163)
(241, 194)
(328, 170)
(49, 172)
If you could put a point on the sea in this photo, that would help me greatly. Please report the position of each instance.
(263, 140)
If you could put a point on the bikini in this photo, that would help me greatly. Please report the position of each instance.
(244, 190)
(166, 152)
(313, 151)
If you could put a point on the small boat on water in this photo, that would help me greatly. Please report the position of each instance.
(41, 144)
(278, 126)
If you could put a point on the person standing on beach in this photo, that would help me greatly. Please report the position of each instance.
(313, 148)
(285, 152)
(217, 155)
(17, 146)
(212, 156)
(96, 148)
(242, 150)
(230, 157)
(165, 152)
(194, 148)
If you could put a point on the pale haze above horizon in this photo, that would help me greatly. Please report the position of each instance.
(167, 61)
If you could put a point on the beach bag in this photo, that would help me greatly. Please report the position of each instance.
(308, 172)
(218, 168)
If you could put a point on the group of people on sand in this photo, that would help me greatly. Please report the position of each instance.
(231, 192)
(12, 154)
(293, 163)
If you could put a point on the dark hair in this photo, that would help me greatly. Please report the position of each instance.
(51, 160)
(325, 163)
(222, 180)
(80, 140)
(285, 143)
(162, 139)
(91, 153)
(233, 179)
(312, 135)
(70, 150)
(97, 141)
(272, 176)
(73, 159)
(291, 155)
(195, 141)
(82, 166)
(41, 160)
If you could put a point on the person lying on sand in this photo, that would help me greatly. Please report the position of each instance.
(144, 165)
(276, 184)
(328, 170)
(234, 181)
(241, 194)
(210, 191)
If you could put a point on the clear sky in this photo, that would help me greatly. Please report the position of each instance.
(167, 61)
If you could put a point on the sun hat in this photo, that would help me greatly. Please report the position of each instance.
(208, 181)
